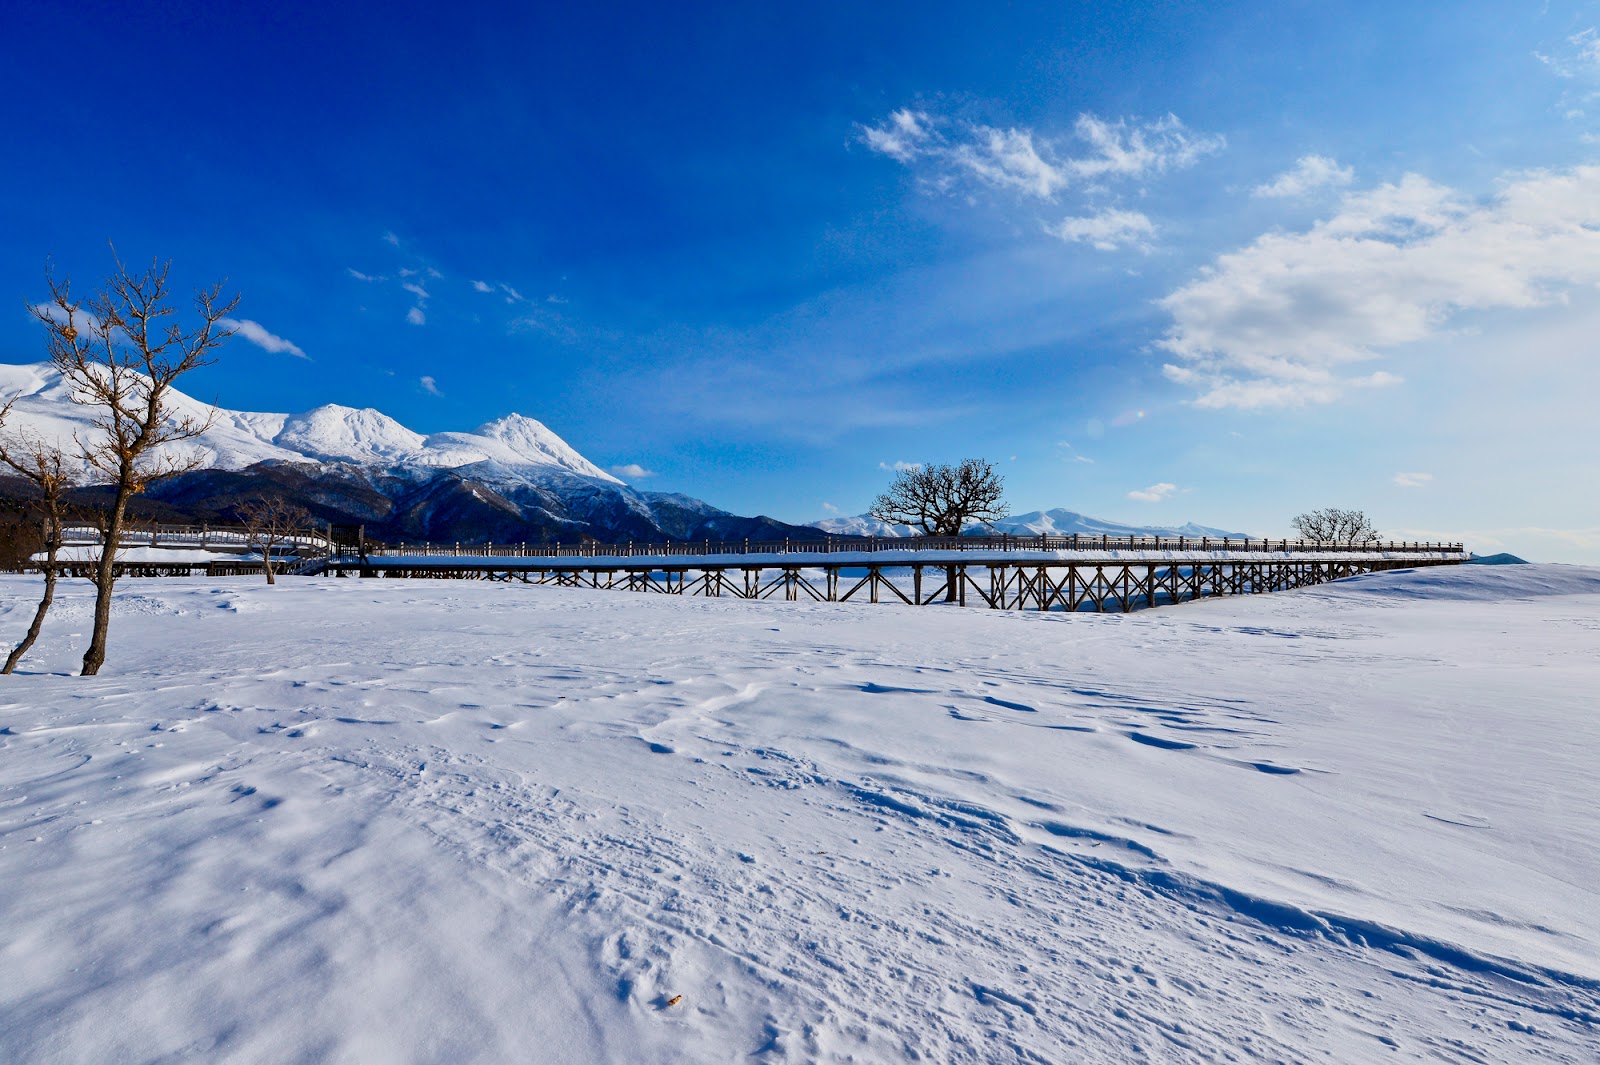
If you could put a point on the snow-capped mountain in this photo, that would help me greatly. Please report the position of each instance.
(1056, 522)
(511, 479)
(329, 433)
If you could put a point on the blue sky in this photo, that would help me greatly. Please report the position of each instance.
(1162, 262)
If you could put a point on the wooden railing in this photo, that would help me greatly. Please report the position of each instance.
(840, 544)
(203, 536)
(223, 536)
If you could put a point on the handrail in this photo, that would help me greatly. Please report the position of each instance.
(835, 545)
(189, 535)
(158, 535)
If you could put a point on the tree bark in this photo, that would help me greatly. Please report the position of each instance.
(105, 575)
(52, 550)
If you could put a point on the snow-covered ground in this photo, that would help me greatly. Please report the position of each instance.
(408, 821)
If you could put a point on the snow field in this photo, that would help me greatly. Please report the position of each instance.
(413, 821)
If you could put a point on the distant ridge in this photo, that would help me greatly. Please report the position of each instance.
(1058, 522)
(1504, 558)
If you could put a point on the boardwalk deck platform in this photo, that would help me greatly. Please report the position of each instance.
(1014, 573)
(1067, 573)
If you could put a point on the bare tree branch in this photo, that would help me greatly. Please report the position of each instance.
(270, 522)
(942, 500)
(1343, 528)
(120, 352)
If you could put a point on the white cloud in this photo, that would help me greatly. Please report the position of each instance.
(416, 290)
(483, 286)
(390, 237)
(1024, 161)
(1280, 321)
(901, 136)
(1412, 480)
(899, 466)
(1154, 494)
(1310, 173)
(830, 508)
(258, 335)
(632, 471)
(430, 386)
(1128, 148)
(512, 295)
(416, 317)
(1108, 230)
(359, 276)
(1009, 158)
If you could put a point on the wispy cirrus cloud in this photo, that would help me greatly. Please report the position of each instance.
(899, 466)
(1284, 320)
(1310, 173)
(1577, 56)
(1412, 480)
(948, 155)
(412, 271)
(1024, 161)
(632, 471)
(430, 386)
(261, 337)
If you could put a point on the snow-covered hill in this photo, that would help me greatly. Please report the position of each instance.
(1057, 522)
(510, 479)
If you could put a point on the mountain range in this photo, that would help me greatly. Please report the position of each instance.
(511, 480)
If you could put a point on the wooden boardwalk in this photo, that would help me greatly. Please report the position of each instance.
(1065, 573)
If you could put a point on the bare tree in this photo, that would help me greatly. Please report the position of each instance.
(271, 522)
(120, 352)
(941, 500)
(41, 465)
(1330, 525)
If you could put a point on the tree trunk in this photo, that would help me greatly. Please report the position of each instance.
(52, 553)
(105, 575)
(266, 562)
(952, 575)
